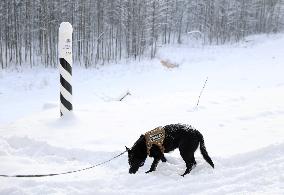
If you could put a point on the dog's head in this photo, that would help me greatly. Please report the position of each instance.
(135, 160)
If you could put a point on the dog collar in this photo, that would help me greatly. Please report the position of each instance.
(155, 136)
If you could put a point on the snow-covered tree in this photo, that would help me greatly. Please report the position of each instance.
(109, 30)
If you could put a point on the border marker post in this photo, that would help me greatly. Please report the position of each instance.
(65, 67)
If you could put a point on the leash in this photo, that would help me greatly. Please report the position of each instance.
(68, 172)
(201, 93)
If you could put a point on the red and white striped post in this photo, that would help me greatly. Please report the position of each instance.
(65, 67)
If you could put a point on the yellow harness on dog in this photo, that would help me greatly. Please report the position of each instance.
(155, 136)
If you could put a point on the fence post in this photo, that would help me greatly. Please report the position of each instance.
(65, 67)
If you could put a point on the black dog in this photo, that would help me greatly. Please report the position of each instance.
(179, 136)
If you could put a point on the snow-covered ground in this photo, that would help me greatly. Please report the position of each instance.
(240, 114)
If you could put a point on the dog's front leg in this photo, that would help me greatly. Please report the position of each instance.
(154, 165)
(163, 158)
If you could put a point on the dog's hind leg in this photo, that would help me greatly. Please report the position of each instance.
(189, 166)
(187, 154)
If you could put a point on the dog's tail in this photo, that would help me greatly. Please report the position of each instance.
(204, 151)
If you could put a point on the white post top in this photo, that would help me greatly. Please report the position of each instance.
(65, 27)
(65, 42)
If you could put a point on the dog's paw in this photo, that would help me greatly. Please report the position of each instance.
(148, 171)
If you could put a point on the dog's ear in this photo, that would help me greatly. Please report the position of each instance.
(127, 149)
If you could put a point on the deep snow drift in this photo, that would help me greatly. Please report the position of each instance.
(240, 115)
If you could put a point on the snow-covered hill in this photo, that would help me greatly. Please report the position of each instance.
(240, 115)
